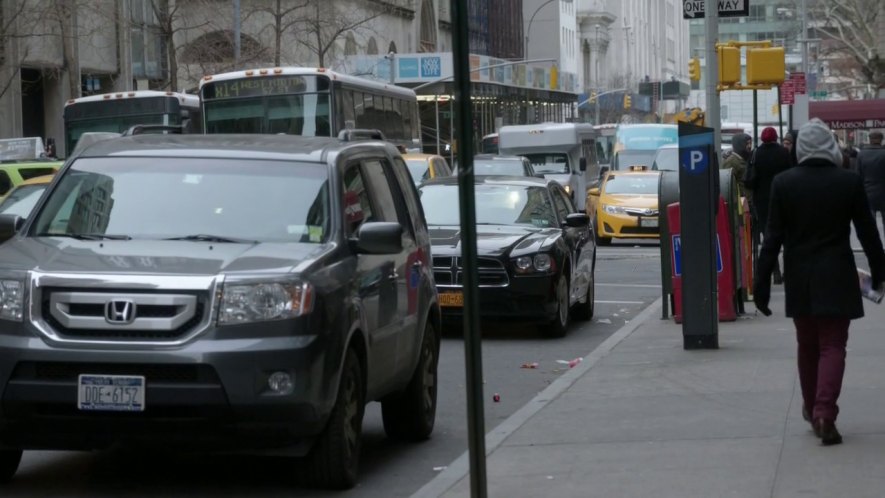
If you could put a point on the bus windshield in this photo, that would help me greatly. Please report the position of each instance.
(117, 124)
(306, 114)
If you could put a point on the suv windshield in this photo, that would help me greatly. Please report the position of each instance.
(193, 198)
(549, 164)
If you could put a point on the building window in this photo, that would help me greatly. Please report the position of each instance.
(146, 41)
(757, 13)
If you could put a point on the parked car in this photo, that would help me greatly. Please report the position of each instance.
(537, 256)
(498, 165)
(625, 205)
(22, 199)
(223, 292)
(426, 166)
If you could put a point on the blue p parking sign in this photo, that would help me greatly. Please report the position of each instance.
(695, 161)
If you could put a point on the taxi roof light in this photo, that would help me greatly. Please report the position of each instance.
(638, 167)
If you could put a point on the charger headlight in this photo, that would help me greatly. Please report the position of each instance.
(264, 301)
(12, 300)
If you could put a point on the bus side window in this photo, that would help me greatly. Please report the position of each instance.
(347, 111)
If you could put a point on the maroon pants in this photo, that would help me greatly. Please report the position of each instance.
(821, 363)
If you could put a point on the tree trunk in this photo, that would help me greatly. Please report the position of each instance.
(66, 23)
(278, 33)
(173, 59)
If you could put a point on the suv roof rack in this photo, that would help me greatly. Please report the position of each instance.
(360, 134)
(147, 128)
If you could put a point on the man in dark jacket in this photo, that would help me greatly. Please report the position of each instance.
(871, 167)
(766, 162)
(812, 207)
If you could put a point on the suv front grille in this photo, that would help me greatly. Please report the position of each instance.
(156, 316)
(447, 271)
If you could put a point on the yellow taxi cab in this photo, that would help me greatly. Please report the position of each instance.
(625, 205)
(22, 159)
(23, 197)
(424, 167)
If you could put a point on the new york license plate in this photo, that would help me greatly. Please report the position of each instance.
(112, 393)
(452, 299)
(648, 222)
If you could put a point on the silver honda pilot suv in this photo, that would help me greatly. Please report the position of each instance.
(215, 293)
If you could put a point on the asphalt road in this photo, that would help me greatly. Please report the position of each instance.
(628, 280)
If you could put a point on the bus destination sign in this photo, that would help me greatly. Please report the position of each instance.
(256, 87)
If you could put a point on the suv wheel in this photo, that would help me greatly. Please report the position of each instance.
(9, 460)
(410, 415)
(335, 457)
(559, 326)
(584, 311)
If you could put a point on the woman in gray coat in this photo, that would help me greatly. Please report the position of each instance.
(811, 210)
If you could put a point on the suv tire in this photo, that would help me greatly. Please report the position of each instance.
(410, 415)
(9, 460)
(334, 460)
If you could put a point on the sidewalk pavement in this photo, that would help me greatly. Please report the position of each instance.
(642, 417)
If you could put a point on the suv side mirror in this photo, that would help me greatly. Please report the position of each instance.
(380, 238)
(10, 224)
(582, 164)
(594, 191)
(577, 220)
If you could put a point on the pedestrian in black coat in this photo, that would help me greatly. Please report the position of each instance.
(766, 162)
(812, 207)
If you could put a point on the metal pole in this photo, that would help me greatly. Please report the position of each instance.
(805, 37)
(596, 121)
(780, 115)
(392, 57)
(436, 101)
(711, 21)
(755, 119)
(237, 33)
(467, 202)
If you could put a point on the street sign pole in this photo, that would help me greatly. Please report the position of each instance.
(712, 76)
(467, 204)
(698, 200)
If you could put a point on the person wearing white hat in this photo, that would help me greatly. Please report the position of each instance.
(811, 210)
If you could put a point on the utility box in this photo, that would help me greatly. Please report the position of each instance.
(765, 65)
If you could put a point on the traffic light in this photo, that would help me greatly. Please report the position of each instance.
(694, 69)
(593, 97)
(627, 101)
(765, 65)
(729, 65)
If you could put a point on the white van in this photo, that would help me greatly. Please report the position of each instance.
(565, 152)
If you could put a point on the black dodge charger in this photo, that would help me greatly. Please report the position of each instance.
(536, 251)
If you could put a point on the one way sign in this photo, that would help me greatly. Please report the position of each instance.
(694, 9)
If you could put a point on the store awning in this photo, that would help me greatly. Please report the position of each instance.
(849, 114)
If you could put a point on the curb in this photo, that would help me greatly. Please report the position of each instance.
(458, 469)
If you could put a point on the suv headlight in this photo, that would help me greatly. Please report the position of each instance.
(533, 264)
(608, 208)
(12, 300)
(259, 302)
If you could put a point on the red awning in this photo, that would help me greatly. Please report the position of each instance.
(849, 114)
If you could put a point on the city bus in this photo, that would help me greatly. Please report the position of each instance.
(119, 111)
(308, 102)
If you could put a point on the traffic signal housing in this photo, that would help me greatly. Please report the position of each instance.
(765, 65)
(729, 59)
(694, 69)
(593, 97)
(627, 101)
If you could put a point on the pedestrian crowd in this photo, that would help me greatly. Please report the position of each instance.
(804, 194)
